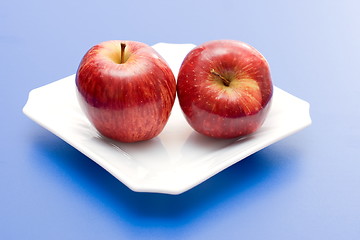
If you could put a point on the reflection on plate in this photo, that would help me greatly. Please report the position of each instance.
(175, 161)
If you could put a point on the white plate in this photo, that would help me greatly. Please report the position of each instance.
(175, 161)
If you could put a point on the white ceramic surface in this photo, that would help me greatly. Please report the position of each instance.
(175, 161)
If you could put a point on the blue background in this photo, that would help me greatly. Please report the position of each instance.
(306, 186)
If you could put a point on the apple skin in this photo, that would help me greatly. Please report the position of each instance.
(129, 101)
(225, 88)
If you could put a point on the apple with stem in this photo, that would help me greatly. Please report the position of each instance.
(126, 89)
(224, 88)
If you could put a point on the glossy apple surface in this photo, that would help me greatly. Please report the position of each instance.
(126, 89)
(224, 88)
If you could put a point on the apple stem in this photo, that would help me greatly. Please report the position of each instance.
(123, 46)
(225, 80)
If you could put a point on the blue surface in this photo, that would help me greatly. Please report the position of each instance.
(306, 186)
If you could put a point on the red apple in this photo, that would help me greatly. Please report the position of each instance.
(126, 89)
(224, 88)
